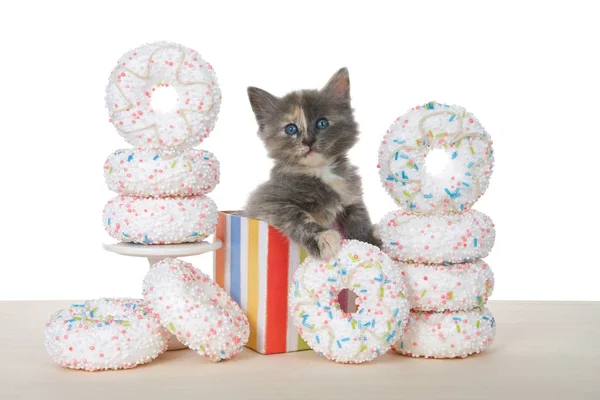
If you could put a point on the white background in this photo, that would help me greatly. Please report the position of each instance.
(530, 73)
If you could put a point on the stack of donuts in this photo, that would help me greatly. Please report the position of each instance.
(162, 181)
(436, 238)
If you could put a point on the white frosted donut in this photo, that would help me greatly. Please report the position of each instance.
(105, 334)
(453, 287)
(448, 334)
(437, 238)
(382, 308)
(149, 172)
(141, 74)
(195, 309)
(466, 144)
(160, 220)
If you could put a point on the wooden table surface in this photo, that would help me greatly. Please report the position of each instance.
(543, 350)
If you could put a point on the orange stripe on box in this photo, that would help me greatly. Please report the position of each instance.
(253, 295)
(220, 254)
(277, 290)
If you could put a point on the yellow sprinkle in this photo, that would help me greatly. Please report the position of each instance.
(423, 293)
(450, 295)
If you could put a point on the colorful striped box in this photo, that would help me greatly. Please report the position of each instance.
(255, 266)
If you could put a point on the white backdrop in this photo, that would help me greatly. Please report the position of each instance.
(530, 74)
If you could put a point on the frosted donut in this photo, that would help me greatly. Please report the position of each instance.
(437, 238)
(382, 308)
(148, 172)
(195, 309)
(140, 74)
(453, 287)
(448, 334)
(160, 220)
(105, 334)
(413, 136)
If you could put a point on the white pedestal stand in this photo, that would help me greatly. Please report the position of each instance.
(156, 253)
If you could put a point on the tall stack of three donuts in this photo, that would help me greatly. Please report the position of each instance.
(436, 238)
(162, 181)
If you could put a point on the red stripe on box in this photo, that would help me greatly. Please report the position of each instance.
(220, 254)
(277, 291)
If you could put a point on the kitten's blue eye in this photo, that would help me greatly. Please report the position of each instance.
(322, 123)
(291, 129)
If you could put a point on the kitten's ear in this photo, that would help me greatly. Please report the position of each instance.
(263, 103)
(338, 86)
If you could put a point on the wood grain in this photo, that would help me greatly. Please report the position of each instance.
(543, 350)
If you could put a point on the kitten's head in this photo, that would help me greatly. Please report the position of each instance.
(308, 127)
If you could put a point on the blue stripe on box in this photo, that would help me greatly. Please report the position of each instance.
(236, 244)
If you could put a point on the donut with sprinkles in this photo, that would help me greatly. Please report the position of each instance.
(448, 238)
(145, 71)
(435, 287)
(105, 334)
(342, 335)
(155, 173)
(160, 220)
(425, 128)
(195, 309)
(447, 334)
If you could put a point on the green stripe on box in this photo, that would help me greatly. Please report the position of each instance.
(301, 343)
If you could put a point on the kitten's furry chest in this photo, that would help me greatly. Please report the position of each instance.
(348, 195)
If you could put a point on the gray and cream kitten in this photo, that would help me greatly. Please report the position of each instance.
(313, 186)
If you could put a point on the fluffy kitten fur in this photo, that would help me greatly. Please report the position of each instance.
(312, 186)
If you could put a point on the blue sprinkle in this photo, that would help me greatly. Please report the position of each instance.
(109, 222)
(396, 156)
(77, 305)
(452, 117)
(475, 242)
(469, 165)
(368, 324)
(318, 339)
(391, 177)
(345, 339)
(373, 324)
(428, 196)
(466, 184)
(457, 319)
(330, 315)
(404, 156)
(396, 311)
(130, 157)
(307, 325)
(331, 280)
(416, 166)
(155, 157)
(412, 205)
(339, 344)
(390, 336)
(399, 141)
(454, 155)
(401, 345)
(467, 174)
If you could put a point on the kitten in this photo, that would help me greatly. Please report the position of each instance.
(312, 186)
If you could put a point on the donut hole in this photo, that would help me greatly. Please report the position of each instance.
(347, 301)
(164, 98)
(436, 161)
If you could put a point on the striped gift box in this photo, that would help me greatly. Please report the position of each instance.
(255, 266)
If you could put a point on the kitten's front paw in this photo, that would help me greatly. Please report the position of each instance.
(329, 243)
